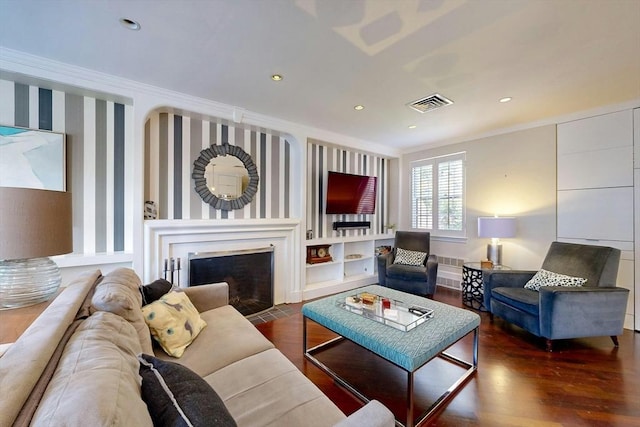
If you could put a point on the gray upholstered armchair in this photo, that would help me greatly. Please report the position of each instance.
(419, 278)
(597, 308)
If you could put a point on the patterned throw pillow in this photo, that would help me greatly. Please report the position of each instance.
(407, 257)
(174, 322)
(549, 278)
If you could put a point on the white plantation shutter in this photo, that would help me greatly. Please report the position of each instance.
(438, 198)
(450, 207)
(422, 196)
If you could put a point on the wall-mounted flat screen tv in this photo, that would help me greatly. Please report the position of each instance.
(351, 194)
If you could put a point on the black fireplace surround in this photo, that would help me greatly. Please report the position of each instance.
(249, 274)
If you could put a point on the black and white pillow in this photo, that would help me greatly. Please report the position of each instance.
(407, 257)
(549, 278)
(177, 396)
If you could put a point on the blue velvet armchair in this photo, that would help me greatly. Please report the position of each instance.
(414, 279)
(597, 308)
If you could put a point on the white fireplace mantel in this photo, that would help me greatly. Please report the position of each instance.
(164, 239)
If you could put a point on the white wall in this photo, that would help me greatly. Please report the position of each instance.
(512, 174)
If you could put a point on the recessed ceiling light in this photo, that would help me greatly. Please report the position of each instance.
(130, 24)
(359, 107)
(276, 77)
(505, 99)
(412, 126)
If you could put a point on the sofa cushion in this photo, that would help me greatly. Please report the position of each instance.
(155, 290)
(229, 337)
(523, 299)
(549, 278)
(174, 322)
(96, 382)
(411, 273)
(119, 293)
(177, 396)
(407, 257)
(286, 397)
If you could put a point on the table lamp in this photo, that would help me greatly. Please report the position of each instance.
(496, 228)
(34, 224)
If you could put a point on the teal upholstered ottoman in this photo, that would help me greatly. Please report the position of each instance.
(409, 350)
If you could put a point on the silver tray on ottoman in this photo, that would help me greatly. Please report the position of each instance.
(388, 311)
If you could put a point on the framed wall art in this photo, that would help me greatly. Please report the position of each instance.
(32, 158)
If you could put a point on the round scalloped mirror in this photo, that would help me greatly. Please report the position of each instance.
(225, 177)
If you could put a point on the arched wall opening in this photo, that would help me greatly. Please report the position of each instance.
(173, 141)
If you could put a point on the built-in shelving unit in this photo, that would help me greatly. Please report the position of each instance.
(353, 264)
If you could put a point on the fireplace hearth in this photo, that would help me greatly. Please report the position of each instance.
(249, 274)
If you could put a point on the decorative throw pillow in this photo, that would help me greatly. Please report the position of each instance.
(407, 257)
(174, 322)
(155, 290)
(549, 278)
(177, 396)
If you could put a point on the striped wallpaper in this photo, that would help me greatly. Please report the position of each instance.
(173, 142)
(99, 158)
(322, 158)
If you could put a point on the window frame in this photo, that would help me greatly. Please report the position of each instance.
(435, 162)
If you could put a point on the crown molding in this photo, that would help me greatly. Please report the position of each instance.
(555, 120)
(59, 75)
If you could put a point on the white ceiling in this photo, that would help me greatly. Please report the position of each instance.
(553, 57)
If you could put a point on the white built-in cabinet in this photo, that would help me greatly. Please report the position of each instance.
(596, 189)
(354, 264)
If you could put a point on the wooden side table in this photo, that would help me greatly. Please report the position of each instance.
(472, 289)
(13, 322)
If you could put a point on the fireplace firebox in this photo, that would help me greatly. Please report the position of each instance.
(249, 274)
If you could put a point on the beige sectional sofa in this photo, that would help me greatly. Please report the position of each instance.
(77, 364)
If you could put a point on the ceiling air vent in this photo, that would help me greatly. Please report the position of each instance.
(429, 103)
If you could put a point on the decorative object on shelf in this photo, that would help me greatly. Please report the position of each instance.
(353, 256)
(390, 227)
(318, 253)
(150, 210)
(309, 234)
(231, 186)
(382, 250)
(34, 225)
(496, 228)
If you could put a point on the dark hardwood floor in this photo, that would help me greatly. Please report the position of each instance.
(583, 382)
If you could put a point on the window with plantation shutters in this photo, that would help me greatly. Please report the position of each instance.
(422, 196)
(437, 195)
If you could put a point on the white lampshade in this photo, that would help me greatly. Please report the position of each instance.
(496, 227)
